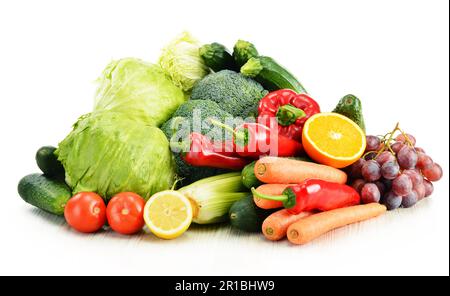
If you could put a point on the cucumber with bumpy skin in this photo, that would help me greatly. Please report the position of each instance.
(248, 176)
(351, 107)
(217, 57)
(49, 163)
(271, 75)
(47, 194)
(246, 216)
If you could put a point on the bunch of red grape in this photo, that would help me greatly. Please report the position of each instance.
(393, 171)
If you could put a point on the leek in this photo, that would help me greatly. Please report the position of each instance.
(213, 197)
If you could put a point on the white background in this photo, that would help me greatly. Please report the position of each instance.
(393, 54)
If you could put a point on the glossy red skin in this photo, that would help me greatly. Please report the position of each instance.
(321, 195)
(125, 213)
(261, 140)
(203, 153)
(269, 105)
(86, 212)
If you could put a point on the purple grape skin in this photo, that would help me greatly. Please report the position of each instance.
(420, 190)
(355, 169)
(424, 161)
(371, 171)
(384, 157)
(402, 185)
(401, 138)
(370, 193)
(410, 199)
(407, 158)
(419, 149)
(358, 185)
(397, 146)
(372, 143)
(381, 187)
(392, 201)
(370, 156)
(390, 170)
(416, 177)
(429, 187)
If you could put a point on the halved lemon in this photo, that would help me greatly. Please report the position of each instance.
(168, 214)
(333, 139)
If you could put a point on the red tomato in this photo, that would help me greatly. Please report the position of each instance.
(125, 213)
(86, 212)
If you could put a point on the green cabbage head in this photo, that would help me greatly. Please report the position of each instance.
(108, 153)
(139, 90)
(182, 61)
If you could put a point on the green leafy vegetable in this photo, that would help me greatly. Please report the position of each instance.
(139, 90)
(181, 60)
(109, 153)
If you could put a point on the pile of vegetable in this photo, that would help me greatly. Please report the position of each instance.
(206, 136)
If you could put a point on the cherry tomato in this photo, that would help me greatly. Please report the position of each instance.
(86, 212)
(125, 213)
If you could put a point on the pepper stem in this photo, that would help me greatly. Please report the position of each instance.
(288, 114)
(282, 198)
(239, 137)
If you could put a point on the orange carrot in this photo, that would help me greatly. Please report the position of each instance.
(305, 230)
(284, 170)
(270, 189)
(276, 225)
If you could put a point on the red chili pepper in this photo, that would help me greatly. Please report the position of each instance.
(314, 194)
(253, 140)
(290, 109)
(201, 152)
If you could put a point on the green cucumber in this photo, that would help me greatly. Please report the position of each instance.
(217, 57)
(50, 195)
(246, 216)
(243, 51)
(49, 163)
(351, 107)
(248, 176)
(271, 75)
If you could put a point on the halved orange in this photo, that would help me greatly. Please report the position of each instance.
(333, 139)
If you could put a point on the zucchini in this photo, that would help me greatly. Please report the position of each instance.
(270, 74)
(351, 107)
(50, 195)
(246, 216)
(49, 163)
(243, 51)
(217, 57)
(248, 176)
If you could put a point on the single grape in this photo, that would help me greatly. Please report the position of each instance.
(410, 199)
(402, 185)
(420, 190)
(370, 155)
(429, 187)
(419, 149)
(370, 193)
(416, 177)
(392, 201)
(424, 161)
(384, 157)
(355, 169)
(407, 158)
(401, 138)
(397, 146)
(390, 170)
(371, 171)
(434, 173)
(358, 185)
(381, 187)
(372, 143)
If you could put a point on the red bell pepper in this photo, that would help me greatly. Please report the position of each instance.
(199, 151)
(253, 140)
(314, 194)
(290, 109)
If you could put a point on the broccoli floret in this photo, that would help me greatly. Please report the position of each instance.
(181, 125)
(233, 92)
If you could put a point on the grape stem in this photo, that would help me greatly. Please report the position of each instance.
(387, 144)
